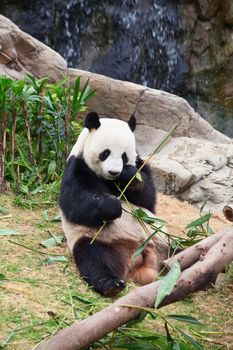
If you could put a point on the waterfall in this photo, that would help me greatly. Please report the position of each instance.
(132, 40)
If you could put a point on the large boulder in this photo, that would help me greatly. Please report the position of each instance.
(196, 164)
(20, 54)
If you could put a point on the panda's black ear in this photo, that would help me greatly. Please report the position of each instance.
(132, 122)
(92, 121)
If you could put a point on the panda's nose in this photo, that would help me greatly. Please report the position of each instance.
(114, 173)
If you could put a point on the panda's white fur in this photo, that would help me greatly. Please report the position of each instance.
(113, 134)
(125, 233)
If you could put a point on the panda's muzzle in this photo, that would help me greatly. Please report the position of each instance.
(114, 173)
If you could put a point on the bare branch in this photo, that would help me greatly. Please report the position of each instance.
(189, 256)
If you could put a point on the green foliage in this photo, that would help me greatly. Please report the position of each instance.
(195, 231)
(167, 284)
(39, 124)
(143, 245)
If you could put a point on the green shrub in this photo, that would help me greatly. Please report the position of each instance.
(38, 125)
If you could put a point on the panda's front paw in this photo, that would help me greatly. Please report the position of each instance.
(127, 173)
(111, 287)
(113, 209)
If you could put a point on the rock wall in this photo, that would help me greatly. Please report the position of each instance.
(207, 42)
(195, 164)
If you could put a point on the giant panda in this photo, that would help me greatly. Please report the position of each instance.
(103, 160)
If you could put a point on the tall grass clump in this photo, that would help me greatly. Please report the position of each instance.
(38, 124)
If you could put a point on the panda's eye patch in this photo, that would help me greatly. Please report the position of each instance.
(124, 158)
(104, 155)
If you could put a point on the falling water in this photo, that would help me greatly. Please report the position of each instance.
(134, 40)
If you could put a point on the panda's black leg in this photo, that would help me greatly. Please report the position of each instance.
(101, 265)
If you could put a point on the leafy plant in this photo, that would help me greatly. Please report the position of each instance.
(38, 125)
(195, 231)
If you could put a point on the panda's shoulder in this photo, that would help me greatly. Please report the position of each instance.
(77, 173)
(76, 166)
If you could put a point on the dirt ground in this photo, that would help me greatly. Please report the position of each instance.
(178, 214)
(37, 298)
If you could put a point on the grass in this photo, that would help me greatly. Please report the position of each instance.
(38, 298)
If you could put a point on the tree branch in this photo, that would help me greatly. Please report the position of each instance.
(189, 256)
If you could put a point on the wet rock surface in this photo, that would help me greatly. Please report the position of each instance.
(207, 43)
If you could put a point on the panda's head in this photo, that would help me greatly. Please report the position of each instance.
(107, 145)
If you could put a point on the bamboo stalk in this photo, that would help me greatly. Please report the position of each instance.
(3, 151)
(28, 133)
(17, 179)
(157, 149)
(67, 133)
(13, 141)
(39, 134)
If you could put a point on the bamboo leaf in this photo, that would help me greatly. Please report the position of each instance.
(52, 241)
(24, 189)
(76, 92)
(136, 346)
(169, 337)
(199, 221)
(175, 346)
(84, 300)
(56, 218)
(9, 232)
(168, 283)
(5, 341)
(55, 259)
(191, 340)
(142, 246)
(139, 176)
(4, 211)
(90, 95)
(142, 316)
(184, 318)
(141, 214)
(84, 91)
(45, 215)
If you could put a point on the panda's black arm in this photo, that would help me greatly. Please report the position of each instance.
(82, 197)
(141, 191)
(88, 207)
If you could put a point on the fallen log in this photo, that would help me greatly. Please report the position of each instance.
(189, 256)
(200, 275)
(228, 213)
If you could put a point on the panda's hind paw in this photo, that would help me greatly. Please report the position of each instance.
(113, 287)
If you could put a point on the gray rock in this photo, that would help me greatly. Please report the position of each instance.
(207, 172)
(20, 54)
(195, 164)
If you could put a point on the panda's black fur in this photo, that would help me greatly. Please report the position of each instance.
(82, 190)
(89, 200)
